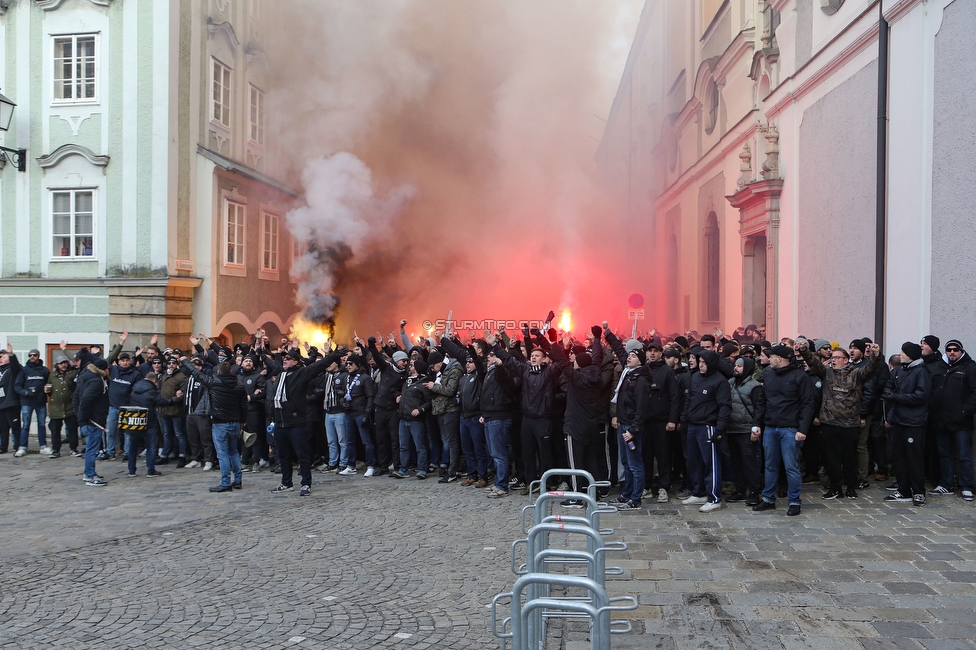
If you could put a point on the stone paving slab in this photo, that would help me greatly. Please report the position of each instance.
(378, 563)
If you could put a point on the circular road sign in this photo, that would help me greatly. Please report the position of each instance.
(636, 301)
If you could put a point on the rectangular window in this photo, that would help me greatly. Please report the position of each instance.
(74, 68)
(234, 234)
(220, 95)
(73, 224)
(269, 257)
(257, 116)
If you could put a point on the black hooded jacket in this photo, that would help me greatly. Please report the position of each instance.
(539, 384)
(907, 394)
(293, 410)
(586, 400)
(665, 401)
(8, 376)
(228, 399)
(789, 399)
(499, 392)
(954, 394)
(90, 400)
(391, 379)
(30, 384)
(709, 398)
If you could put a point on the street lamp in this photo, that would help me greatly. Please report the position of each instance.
(18, 156)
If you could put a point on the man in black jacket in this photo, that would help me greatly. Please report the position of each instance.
(954, 404)
(255, 385)
(9, 399)
(288, 408)
(586, 412)
(662, 418)
(497, 409)
(472, 430)
(708, 405)
(414, 404)
(386, 421)
(783, 416)
(906, 399)
(30, 386)
(358, 401)
(90, 402)
(539, 385)
(228, 410)
(631, 399)
(145, 394)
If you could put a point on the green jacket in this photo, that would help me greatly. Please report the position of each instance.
(843, 390)
(446, 389)
(62, 392)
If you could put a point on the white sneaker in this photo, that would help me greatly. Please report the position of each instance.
(370, 471)
(563, 487)
(391, 468)
(349, 471)
(20, 453)
(967, 495)
(46, 451)
(263, 463)
(662, 496)
(711, 506)
(207, 466)
(694, 501)
(192, 464)
(142, 454)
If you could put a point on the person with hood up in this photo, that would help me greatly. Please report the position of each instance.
(906, 398)
(30, 386)
(228, 410)
(784, 415)
(632, 402)
(498, 403)
(444, 387)
(745, 393)
(9, 399)
(60, 406)
(91, 408)
(255, 384)
(414, 403)
(586, 409)
(662, 421)
(708, 405)
(954, 403)
(146, 394)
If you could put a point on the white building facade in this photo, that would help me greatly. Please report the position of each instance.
(745, 137)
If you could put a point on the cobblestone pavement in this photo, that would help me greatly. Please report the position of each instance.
(377, 563)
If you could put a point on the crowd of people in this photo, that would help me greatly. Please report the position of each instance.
(705, 419)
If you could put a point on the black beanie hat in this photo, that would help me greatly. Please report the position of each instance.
(859, 344)
(672, 353)
(584, 360)
(682, 341)
(913, 350)
(641, 355)
(932, 341)
(434, 357)
(420, 366)
(356, 359)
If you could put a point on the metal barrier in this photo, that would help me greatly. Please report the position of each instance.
(525, 635)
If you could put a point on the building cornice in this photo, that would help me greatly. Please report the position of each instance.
(808, 77)
(899, 8)
(50, 5)
(223, 28)
(164, 281)
(231, 166)
(65, 150)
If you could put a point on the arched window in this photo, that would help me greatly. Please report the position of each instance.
(711, 268)
(711, 107)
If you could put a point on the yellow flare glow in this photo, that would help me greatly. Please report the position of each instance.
(314, 334)
(565, 321)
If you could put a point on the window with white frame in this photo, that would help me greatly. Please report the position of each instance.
(257, 116)
(234, 233)
(74, 68)
(73, 224)
(269, 253)
(220, 94)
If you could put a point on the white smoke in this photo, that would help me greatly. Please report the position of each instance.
(342, 211)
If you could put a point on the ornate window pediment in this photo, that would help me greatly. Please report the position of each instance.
(65, 150)
(49, 5)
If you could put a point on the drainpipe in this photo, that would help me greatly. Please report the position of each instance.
(881, 221)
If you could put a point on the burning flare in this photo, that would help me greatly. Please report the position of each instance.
(565, 321)
(312, 333)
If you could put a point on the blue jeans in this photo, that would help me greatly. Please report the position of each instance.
(25, 420)
(174, 429)
(226, 439)
(110, 428)
(474, 447)
(780, 444)
(335, 431)
(496, 433)
(93, 443)
(416, 431)
(633, 462)
(963, 442)
(366, 436)
(132, 442)
(704, 465)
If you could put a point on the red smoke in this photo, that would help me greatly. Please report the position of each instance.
(485, 109)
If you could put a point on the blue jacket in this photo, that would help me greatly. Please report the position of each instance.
(30, 384)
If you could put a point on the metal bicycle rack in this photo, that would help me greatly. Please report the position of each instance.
(527, 622)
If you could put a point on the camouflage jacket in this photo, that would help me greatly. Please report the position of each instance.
(842, 391)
